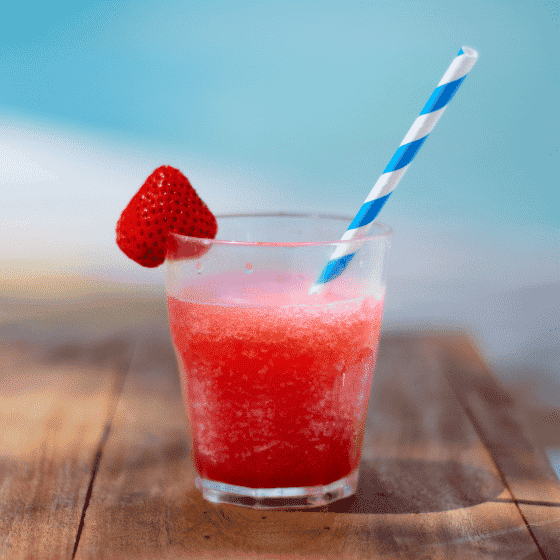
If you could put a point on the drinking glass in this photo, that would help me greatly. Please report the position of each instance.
(276, 379)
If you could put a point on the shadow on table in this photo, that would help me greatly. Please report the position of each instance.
(418, 486)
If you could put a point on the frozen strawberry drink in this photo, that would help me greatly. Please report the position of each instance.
(276, 380)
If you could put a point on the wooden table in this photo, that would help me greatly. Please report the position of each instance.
(95, 462)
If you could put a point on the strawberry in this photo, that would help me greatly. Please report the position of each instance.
(165, 203)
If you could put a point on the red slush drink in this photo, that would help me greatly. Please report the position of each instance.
(277, 380)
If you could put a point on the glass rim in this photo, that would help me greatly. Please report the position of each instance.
(384, 231)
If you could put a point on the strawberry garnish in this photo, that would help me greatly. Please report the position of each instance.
(166, 203)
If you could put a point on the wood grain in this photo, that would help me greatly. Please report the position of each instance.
(52, 418)
(65, 344)
(503, 427)
(429, 487)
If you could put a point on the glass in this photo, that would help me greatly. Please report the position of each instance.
(276, 380)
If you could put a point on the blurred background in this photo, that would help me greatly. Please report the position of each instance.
(296, 106)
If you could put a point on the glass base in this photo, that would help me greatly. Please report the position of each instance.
(278, 498)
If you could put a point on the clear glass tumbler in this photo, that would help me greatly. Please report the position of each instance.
(276, 380)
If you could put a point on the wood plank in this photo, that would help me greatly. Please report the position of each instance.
(52, 417)
(504, 427)
(65, 343)
(428, 486)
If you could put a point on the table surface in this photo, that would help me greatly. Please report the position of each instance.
(95, 461)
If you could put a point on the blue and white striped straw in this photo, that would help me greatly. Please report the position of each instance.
(398, 165)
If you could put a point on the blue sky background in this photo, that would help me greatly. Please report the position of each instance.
(316, 96)
(299, 104)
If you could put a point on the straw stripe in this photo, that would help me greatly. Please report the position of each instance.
(442, 96)
(404, 155)
(367, 212)
(397, 166)
(386, 183)
(334, 268)
(423, 125)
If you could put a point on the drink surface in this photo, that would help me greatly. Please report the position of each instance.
(278, 381)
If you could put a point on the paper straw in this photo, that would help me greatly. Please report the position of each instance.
(415, 137)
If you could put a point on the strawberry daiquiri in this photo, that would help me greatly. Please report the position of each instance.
(278, 385)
